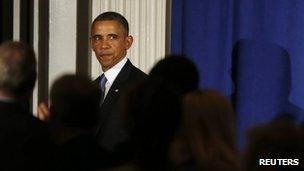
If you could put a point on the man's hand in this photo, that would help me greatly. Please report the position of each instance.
(43, 112)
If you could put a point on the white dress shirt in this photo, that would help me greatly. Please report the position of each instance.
(112, 73)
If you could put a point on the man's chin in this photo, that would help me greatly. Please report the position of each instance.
(104, 60)
(105, 67)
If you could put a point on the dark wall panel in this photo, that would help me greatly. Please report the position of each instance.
(6, 20)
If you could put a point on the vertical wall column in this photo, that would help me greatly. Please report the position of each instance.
(36, 49)
(16, 20)
(62, 42)
(6, 20)
(42, 37)
(56, 43)
(83, 50)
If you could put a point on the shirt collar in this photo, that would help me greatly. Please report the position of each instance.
(112, 73)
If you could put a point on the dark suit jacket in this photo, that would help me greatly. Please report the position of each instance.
(24, 140)
(111, 130)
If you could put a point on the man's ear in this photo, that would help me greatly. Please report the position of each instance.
(129, 42)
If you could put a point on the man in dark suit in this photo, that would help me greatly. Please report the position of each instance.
(24, 141)
(110, 41)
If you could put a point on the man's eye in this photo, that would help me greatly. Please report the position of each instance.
(96, 38)
(111, 37)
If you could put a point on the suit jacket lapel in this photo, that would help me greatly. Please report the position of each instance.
(115, 91)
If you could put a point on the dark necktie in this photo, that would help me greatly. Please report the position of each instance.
(103, 81)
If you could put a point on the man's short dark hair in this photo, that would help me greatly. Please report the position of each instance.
(108, 16)
(17, 68)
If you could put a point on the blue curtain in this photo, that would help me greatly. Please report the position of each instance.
(249, 50)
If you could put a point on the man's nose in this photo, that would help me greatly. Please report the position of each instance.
(104, 44)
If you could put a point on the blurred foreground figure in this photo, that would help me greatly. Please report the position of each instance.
(73, 117)
(152, 112)
(208, 133)
(24, 141)
(280, 142)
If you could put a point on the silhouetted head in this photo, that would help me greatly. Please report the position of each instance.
(17, 69)
(74, 102)
(177, 70)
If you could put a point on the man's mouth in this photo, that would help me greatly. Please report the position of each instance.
(104, 54)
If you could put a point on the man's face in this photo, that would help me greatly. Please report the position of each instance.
(110, 42)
